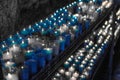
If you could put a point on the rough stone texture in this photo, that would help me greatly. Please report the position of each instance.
(8, 10)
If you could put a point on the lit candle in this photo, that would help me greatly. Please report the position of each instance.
(62, 43)
(9, 64)
(67, 74)
(91, 64)
(11, 77)
(86, 74)
(89, 68)
(71, 69)
(82, 77)
(81, 67)
(76, 74)
(70, 60)
(73, 78)
(31, 40)
(7, 56)
(66, 65)
(54, 78)
(55, 48)
(91, 51)
(62, 71)
(108, 5)
(57, 75)
(15, 49)
(24, 73)
(84, 8)
(49, 53)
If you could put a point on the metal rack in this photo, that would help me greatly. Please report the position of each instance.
(46, 73)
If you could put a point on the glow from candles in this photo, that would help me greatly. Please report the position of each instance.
(9, 64)
(7, 55)
(11, 77)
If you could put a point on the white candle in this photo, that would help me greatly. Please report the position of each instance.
(76, 75)
(7, 55)
(15, 49)
(57, 75)
(11, 77)
(71, 69)
(73, 78)
(9, 64)
(86, 73)
(62, 71)
(68, 74)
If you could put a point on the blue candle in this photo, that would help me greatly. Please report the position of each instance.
(81, 67)
(30, 29)
(24, 32)
(16, 36)
(3, 47)
(29, 54)
(80, 59)
(87, 24)
(43, 31)
(33, 66)
(67, 39)
(80, 28)
(36, 27)
(66, 65)
(19, 40)
(70, 60)
(56, 33)
(41, 60)
(24, 44)
(99, 2)
(83, 77)
(9, 40)
(48, 52)
(77, 62)
(62, 43)
(24, 73)
(77, 33)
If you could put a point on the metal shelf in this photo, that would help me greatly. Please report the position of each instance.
(46, 73)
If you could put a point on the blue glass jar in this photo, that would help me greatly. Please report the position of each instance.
(87, 24)
(62, 43)
(24, 73)
(29, 54)
(3, 47)
(66, 65)
(24, 44)
(32, 65)
(67, 37)
(81, 67)
(80, 28)
(48, 53)
(24, 32)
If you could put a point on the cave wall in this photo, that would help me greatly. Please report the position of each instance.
(8, 17)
